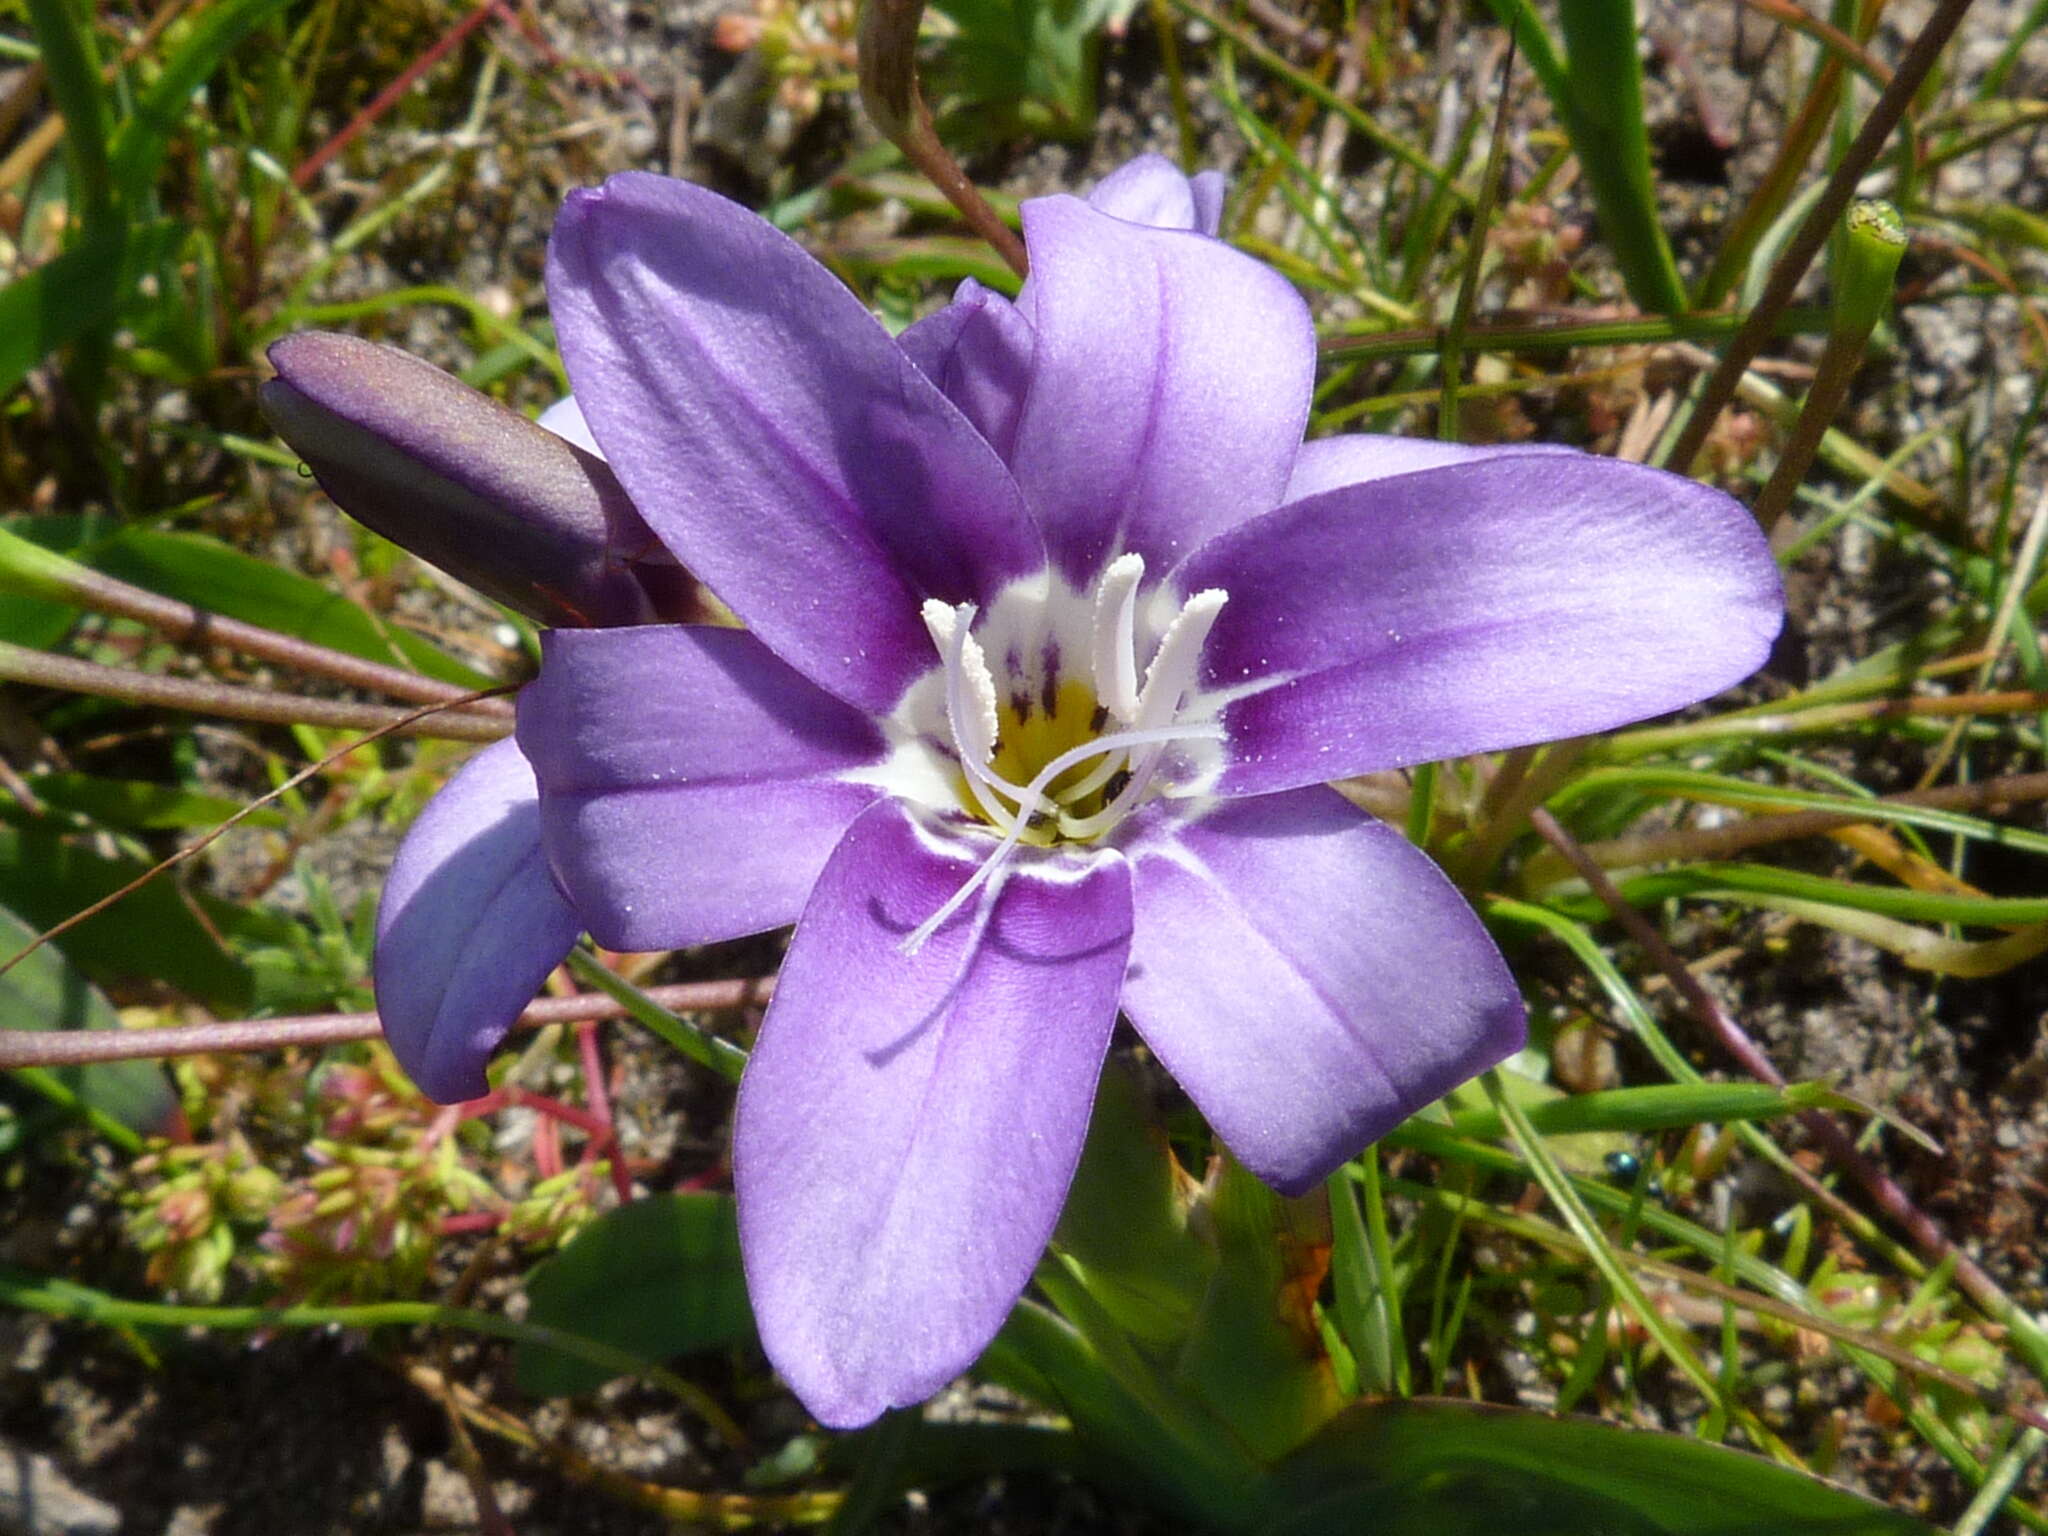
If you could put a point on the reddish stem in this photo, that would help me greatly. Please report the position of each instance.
(558, 1111)
(590, 1051)
(547, 1142)
(471, 1221)
(381, 103)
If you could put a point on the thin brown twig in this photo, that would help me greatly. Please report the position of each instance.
(196, 627)
(1833, 38)
(19, 664)
(1813, 233)
(193, 849)
(68, 1048)
(889, 91)
(1840, 1146)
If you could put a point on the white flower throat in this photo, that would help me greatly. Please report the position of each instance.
(1048, 753)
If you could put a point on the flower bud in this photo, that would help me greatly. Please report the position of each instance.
(469, 485)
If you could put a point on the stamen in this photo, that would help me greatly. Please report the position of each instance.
(1115, 647)
(1014, 834)
(971, 711)
(1172, 672)
(1167, 682)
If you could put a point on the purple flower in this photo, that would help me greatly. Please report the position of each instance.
(1056, 631)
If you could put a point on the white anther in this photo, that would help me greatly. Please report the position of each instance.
(971, 712)
(1115, 637)
(970, 687)
(1174, 664)
(1167, 683)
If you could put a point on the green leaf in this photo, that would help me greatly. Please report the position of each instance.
(1124, 1230)
(140, 806)
(1165, 1448)
(1436, 1468)
(1255, 1358)
(59, 301)
(155, 935)
(657, 1278)
(45, 991)
(70, 67)
(208, 574)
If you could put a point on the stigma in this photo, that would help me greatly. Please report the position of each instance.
(1064, 721)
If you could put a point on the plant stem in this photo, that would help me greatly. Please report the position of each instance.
(1873, 241)
(1926, 1234)
(62, 1298)
(1537, 334)
(18, 664)
(1782, 826)
(28, 568)
(67, 1048)
(889, 91)
(1791, 267)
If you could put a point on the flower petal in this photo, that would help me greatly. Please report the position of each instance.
(774, 435)
(907, 1126)
(1151, 190)
(1308, 975)
(1330, 463)
(459, 480)
(565, 419)
(978, 350)
(692, 784)
(1514, 599)
(469, 926)
(1170, 386)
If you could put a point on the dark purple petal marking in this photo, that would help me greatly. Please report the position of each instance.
(1516, 599)
(692, 783)
(462, 482)
(1308, 975)
(469, 926)
(774, 435)
(1170, 387)
(907, 1127)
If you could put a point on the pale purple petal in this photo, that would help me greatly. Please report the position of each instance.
(1147, 190)
(1308, 976)
(692, 783)
(1330, 463)
(460, 480)
(1170, 387)
(1516, 599)
(1208, 189)
(565, 419)
(907, 1126)
(978, 350)
(469, 926)
(774, 435)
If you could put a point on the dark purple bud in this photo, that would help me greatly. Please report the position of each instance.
(469, 485)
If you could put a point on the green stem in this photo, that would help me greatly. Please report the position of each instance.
(686, 1039)
(63, 1298)
(1548, 335)
(1813, 234)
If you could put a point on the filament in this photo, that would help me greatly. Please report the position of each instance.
(1014, 834)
